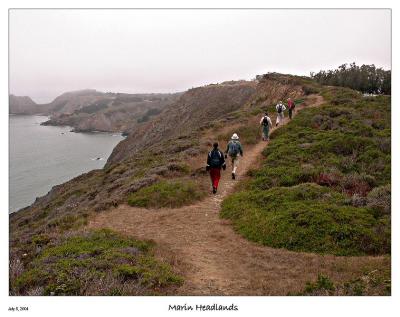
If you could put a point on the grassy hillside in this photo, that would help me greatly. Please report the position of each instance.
(325, 182)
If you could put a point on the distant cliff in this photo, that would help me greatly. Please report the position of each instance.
(90, 110)
(22, 105)
(87, 110)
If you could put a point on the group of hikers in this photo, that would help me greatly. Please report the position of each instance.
(216, 159)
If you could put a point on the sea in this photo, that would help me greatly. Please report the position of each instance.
(43, 156)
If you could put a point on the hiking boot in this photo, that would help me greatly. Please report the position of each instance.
(233, 175)
(214, 190)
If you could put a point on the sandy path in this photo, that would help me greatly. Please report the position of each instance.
(215, 260)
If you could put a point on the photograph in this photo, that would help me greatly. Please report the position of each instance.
(199, 152)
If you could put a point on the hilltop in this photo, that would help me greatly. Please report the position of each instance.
(24, 105)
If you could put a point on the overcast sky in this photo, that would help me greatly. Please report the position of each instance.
(53, 51)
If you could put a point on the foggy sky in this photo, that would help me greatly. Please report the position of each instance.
(53, 51)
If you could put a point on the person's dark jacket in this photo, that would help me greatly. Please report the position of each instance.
(221, 161)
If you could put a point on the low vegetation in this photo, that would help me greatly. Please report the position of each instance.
(249, 134)
(307, 217)
(371, 283)
(318, 188)
(92, 263)
(171, 194)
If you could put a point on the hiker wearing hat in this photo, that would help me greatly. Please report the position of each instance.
(280, 108)
(291, 105)
(266, 124)
(215, 161)
(233, 149)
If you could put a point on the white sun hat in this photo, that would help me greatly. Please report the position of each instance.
(235, 137)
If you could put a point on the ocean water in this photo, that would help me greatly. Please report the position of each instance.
(44, 156)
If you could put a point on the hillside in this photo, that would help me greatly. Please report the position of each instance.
(154, 187)
(24, 105)
(195, 110)
(108, 112)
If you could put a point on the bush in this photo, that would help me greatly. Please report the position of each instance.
(379, 199)
(96, 263)
(171, 194)
(323, 286)
(305, 217)
(373, 282)
(308, 90)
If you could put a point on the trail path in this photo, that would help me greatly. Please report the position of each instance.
(213, 258)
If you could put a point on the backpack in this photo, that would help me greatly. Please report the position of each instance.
(265, 122)
(280, 108)
(215, 159)
(234, 148)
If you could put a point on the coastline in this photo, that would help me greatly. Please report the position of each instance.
(49, 161)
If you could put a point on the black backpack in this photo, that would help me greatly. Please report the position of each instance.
(265, 121)
(215, 159)
(279, 108)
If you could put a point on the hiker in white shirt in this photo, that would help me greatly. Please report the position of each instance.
(266, 124)
(280, 108)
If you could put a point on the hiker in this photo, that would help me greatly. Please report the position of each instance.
(266, 124)
(291, 105)
(280, 108)
(215, 161)
(233, 149)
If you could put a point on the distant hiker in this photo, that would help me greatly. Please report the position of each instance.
(280, 108)
(266, 124)
(233, 149)
(291, 105)
(215, 161)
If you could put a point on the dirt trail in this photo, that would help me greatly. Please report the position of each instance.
(214, 259)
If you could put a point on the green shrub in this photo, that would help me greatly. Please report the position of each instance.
(74, 265)
(370, 283)
(323, 286)
(305, 217)
(379, 199)
(309, 89)
(171, 194)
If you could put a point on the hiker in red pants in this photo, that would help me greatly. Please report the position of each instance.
(215, 161)
(291, 106)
